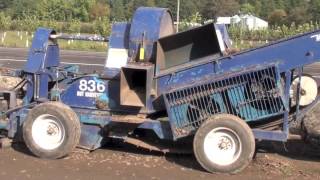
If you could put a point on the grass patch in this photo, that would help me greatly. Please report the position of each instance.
(16, 39)
(242, 45)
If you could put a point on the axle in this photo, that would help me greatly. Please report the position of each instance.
(79, 37)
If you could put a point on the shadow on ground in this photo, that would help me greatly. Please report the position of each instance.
(296, 150)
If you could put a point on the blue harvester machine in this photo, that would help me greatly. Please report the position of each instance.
(180, 86)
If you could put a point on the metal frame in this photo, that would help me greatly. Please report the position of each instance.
(43, 69)
(247, 94)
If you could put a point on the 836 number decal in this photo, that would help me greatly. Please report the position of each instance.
(92, 86)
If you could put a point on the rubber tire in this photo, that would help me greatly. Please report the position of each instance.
(307, 75)
(238, 126)
(311, 126)
(68, 118)
(4, 105)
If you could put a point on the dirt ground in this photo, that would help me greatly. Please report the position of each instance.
(273, 161)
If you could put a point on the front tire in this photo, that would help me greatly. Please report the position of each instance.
(224, 144)
(311, 127)
(51, 130)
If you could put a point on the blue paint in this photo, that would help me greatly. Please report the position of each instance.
(119, 37)
(91, 137)
(41, 53)
(147, 26)
(3, 125)
(248, 111)
(269, 135)
(273, 53)
(217, 98)
(161, 128)
(246, 94)
(87, 99)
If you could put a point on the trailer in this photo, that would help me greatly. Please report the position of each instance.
(183, 87)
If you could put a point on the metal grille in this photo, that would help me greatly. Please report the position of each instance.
(251, 95)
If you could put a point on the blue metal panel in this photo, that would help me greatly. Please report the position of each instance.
(89, 96)
(43, 89)
(39, 51)
(148, 25)
(119, 37)
(3, 124)
(53, 56)
(30, 90)
(183, 77)
(251, 111)
(43, 54)
(291, 53)
(269, 135)
(288, 54)
(91, 137)
(16, 121)
(161, 128)
(252, 95)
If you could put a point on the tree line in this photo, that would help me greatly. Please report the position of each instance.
(286, 17)
(277, 12)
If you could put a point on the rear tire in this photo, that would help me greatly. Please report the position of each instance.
(51, 130)
(224, 144)
(309, 90)
(4, 105)
(311, 126)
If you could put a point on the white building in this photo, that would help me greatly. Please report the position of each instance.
(245, 21)
(224, 20)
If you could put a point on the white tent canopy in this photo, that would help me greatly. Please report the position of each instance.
(245, 21)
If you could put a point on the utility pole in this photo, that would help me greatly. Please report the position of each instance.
(178, 15)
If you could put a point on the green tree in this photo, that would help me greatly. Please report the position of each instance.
(173, 5)
(267, 7)
(314, 8)
(247, 8)
(277, 17)
(162, 3)
(23, 8)
(74, 26)
(215, 8)
(79, 9)
(298, 11)
(280, 4)
(150, 3)
(117, 10)
(99, 10)
(188, 8)
(102, 26)
(4, 4)
(298, 15)
(5, 21)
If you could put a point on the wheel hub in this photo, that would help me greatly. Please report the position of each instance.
(48, 132)
(222, 146)
(308, 92)
(225, 144)
(52, 130)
